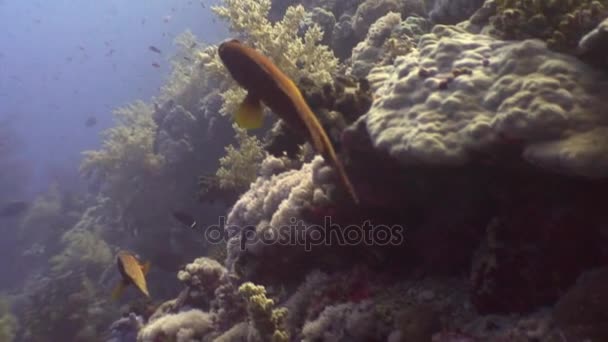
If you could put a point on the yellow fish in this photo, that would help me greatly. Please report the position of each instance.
(133, 272)
(266, 83)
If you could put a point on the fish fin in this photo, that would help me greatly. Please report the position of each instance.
(145, 268)
(250, 115)
(118, 290)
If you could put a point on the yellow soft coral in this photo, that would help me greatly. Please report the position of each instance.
(239, 167)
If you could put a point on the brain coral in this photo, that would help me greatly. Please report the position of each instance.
(459, 93)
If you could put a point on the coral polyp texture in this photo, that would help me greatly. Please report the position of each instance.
(459, 94)
(561, 23)
(274, 201)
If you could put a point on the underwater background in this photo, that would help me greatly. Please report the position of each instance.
(282, 170)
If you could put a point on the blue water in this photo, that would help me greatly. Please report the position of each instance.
(57, 69)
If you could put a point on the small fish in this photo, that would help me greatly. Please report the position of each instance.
(167, 19)
(13, 208)
(91, 121)
(156, 65)
(266, 83)
(186, 58)
(110, 53)
(133, 272)
(154, 49)
(184, 218)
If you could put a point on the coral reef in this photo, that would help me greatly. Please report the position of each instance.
(324, 19)
(336, 105)
(125, 329)
(296, 56)
(468, 93)
(67, 307)
(267, 320)
(274, 200)
(190, 325)
(240, 166)
(591, 46)
(448, 12)
(371, 10)
(484, 159)
(560, 23)
(126, 155)
(388, 38)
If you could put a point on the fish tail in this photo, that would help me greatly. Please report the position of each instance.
(345, 180)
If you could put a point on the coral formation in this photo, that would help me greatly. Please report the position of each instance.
(125, 329)
(240, 166)
(67, 307)
(371, 10)
(448, 12)
(489, 154)
(126, 154)
(296, 56)
(461, 93)
(388, 38)
(267, 320)
(82, 248)
(591, 46)
(560, 23)
(190, 325)
(274, 200)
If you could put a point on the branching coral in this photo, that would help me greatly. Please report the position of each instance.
(127, 153)
(561, 23)
(296, 56)
(240, 166)
(267, 320)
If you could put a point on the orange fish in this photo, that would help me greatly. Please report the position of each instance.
(266, 83)
(133, 272)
